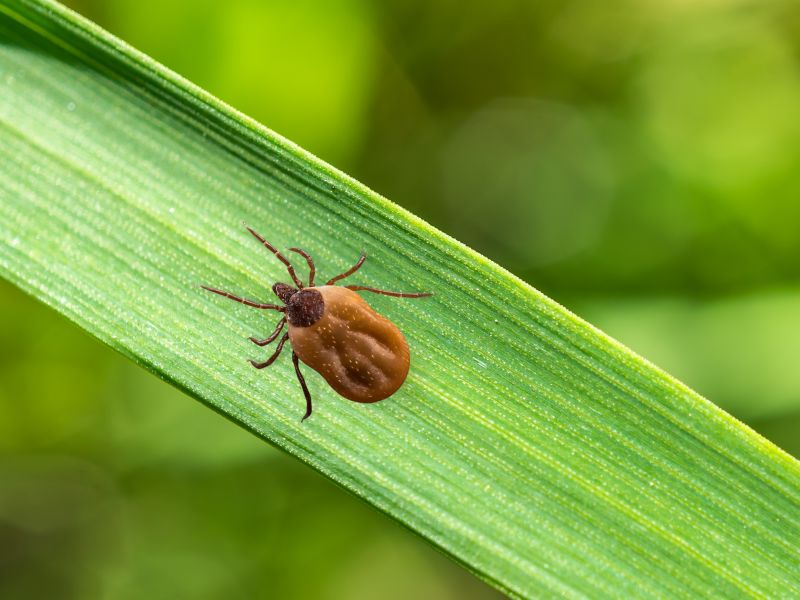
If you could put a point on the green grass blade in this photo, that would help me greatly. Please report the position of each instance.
(547, 458)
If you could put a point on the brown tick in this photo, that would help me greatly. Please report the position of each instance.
(362, 355)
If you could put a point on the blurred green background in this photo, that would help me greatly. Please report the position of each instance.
(637, 160)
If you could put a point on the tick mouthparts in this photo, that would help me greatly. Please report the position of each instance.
(284, 291)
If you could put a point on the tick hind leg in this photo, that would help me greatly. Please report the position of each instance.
(274, 356)
(301, 379)
(272, 336)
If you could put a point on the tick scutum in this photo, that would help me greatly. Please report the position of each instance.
(305, 307)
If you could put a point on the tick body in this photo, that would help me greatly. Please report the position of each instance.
(361, 354)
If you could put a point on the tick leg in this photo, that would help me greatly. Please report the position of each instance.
(351, 270)
(280, 256)
(274, 356)
(309, 261)
(272, 336)
(363, 288)
(301, 379)
(245, 301)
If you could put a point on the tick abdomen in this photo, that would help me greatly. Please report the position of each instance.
(362, 355)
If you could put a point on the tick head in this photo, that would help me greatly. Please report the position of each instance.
(284, 291)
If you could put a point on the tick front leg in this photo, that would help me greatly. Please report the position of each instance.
(279, 256)
(272, 336)
(275, 355)
(312, 270)
(301, 379)
(245, 301)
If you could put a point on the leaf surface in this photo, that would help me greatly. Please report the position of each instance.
(541, 454)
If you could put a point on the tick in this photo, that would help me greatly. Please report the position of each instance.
(362, 355)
